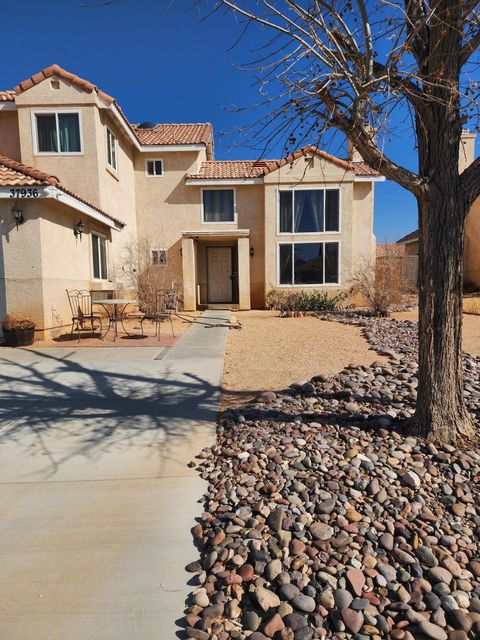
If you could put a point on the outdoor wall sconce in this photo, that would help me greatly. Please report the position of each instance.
(252, 252)
(17, 214)
(78, 229)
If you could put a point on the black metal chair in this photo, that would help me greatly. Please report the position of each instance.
(166, 306)
(80, 301)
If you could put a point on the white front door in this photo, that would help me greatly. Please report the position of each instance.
(219, 266)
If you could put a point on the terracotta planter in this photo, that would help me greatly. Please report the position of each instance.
(18, 337)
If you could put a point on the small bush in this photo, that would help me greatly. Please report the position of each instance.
(11, 323)
(292, 303)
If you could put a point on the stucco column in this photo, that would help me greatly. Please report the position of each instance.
(189, 275)
(244, 273)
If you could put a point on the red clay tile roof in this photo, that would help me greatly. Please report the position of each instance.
(242, 169)
(76, 81)
(197, 133)
(17, 174)
(7, 96)
(230, 170)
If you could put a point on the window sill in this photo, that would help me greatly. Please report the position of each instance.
(309, 286)
(112, 172)
(58, 153)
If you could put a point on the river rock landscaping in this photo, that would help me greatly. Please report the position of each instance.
(323, 520)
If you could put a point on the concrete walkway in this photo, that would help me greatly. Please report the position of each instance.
(96, 500)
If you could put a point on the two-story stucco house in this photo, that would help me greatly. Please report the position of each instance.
(78, 181)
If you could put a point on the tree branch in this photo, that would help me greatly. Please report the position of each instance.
(470, 179)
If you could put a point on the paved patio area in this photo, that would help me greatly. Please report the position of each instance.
(96, 500)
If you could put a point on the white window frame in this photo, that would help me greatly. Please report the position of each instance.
(310, 233)
(101, 236)
(310, 286)
(202, 212)
(154, 175)
(110, 136)
(55, 112)
(159, 251)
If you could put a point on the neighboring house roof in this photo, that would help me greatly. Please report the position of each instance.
(193, 133)
(17, 174)
(410, 237)
(244, 169)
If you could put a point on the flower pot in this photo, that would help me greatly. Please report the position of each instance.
(19, 337)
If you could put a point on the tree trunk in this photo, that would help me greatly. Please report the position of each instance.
(441, 413)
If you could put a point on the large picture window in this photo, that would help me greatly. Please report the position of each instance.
(218, 205)
(58, 132)
(99, 251)
(309, 211)
(307, 263)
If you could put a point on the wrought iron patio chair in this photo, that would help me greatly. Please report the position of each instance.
(166, 306)
(80, 301)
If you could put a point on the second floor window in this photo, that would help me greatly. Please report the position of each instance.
(58, 132)
(154, 168)
(309, 211)
(218, 205)
(111, 150)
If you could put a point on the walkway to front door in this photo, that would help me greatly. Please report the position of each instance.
(219, 274)
(96, 497)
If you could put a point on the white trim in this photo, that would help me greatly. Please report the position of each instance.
(206, 182)
(65, 198)
(232, 233)
(8, 105)
(234, 221)
(369, 179)
(310, 286)
(115, 150)
(102, 237)
(55, 111)
(284, 234)
(154, 175)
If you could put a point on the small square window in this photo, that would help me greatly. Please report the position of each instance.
(154, 167)
(159, 256)
(218, 205)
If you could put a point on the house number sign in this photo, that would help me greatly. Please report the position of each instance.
(24, 193)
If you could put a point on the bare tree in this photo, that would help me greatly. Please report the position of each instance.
(142, 270)
(351, 65)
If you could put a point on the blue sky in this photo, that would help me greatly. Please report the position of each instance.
(163, 64)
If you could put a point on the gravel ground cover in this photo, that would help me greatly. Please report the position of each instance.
(269, 352)
(323, 521)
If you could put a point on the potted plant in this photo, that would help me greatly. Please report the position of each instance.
(18, 332)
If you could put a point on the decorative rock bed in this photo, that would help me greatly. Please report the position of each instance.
(323, 521)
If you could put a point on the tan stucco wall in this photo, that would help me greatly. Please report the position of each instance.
(356, 217)
(9, 136)
(42, 259)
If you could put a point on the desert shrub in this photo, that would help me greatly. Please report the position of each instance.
(292, 303)
(381, 283)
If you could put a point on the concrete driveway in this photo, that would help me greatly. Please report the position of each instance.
(96, 500)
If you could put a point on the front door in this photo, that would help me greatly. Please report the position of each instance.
(219, 281)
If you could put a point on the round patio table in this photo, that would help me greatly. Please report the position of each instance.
(115, 308)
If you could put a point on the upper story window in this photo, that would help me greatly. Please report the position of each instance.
(154, 168)
(57, 132)
(99, 255)
(309, 211)
(111, 150)
(218, 205)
